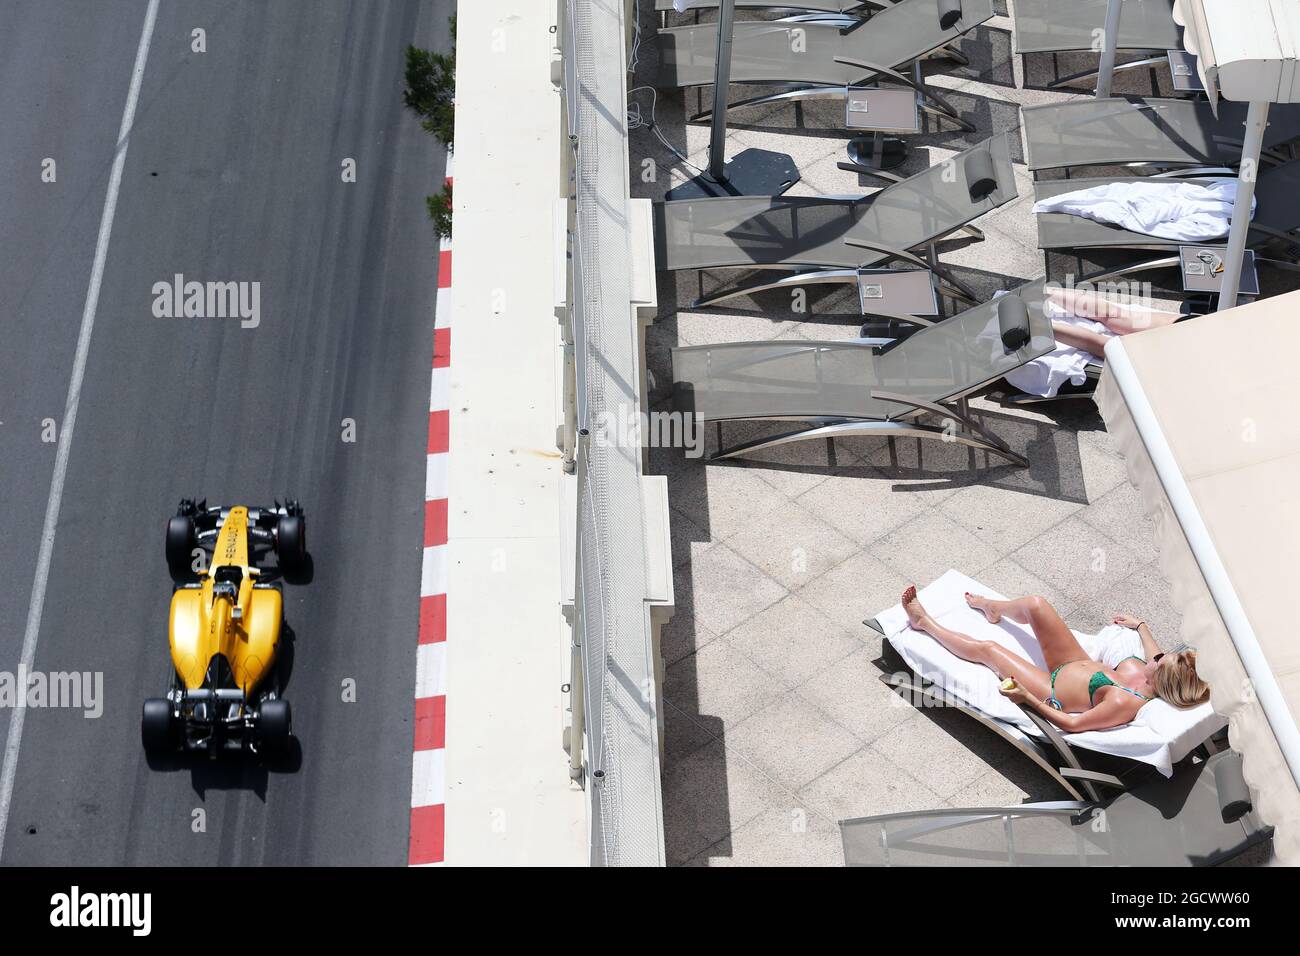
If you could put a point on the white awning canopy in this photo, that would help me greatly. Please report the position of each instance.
(1245, 49)
(1204, 413)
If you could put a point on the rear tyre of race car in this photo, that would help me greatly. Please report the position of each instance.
(181, 541)
(157, 729)
(291, 544)
(274, 727)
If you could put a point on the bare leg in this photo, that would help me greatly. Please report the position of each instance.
(1054, 636)
(1121, 319)
(993, 656)
(1094, 343)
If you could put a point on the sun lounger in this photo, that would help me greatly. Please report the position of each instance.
(1072, 26)
(829, 240)
(855, 388)
(1277, 216)
(1152, 132)
(1202, 817)
(811, 59)
(1160, 737)
(809, 6)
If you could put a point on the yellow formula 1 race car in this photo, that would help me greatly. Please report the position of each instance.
(225, 629)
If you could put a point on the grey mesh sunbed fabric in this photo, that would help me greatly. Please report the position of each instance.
(1177, 822)
(1277, 212)
(767, 52)
(1059, 26)
(837, 386)
(812, 6)
(1095, 132)
(758, 231)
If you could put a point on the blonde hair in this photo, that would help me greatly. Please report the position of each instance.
(1177, 682)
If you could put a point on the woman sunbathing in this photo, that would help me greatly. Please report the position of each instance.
(1077, 693)
(1118, 319)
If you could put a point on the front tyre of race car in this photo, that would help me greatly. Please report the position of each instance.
(181, 541)
(291, 544)
(274, 727)
(157, 726)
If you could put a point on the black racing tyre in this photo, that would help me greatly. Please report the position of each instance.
(157, 728)
(181, 541)
(274, 726)
(291, 543)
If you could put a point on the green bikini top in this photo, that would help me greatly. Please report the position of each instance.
(1096, 682)
(1099, 680)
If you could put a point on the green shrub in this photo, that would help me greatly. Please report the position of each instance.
(440, 212)
(431, 88)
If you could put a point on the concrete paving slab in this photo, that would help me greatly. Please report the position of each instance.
(1144, 594)
(1078, 560)
(690, 541)
(1119, 515)
(684, 634)
(792, 641)
(1003, 521)
(792, 742)
(852, 694)
(711, 793)
(780, 837)
(855, 590)
(1009, 578)
(925, 746)
(728, 590)
(865, 784)
(921, 550)
(721, 499)
(719, 686)
(865, 510)
(791, 545)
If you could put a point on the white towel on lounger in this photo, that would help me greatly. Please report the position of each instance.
(1183, 212)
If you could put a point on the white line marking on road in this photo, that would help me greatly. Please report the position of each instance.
(37, 605)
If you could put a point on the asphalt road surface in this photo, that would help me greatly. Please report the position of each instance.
(233, 173)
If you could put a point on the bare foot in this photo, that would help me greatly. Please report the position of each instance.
(916, 614)
(984, 604)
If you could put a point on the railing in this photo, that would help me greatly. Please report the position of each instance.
(613, 680)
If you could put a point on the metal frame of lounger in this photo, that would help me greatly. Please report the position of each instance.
(949, 284)
(783, 68)
(838, 270)
(1146, 26)
(1115, 843)
(904, 426)
(1140, 132)
(1277, 191)
(948, 818)
(929, 102)
(958, 425)
(844, 7)
(1053, 753)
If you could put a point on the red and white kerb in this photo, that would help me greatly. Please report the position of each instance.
(428, 776)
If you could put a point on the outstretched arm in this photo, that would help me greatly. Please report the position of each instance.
(1110, 712)
(1149, 646)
